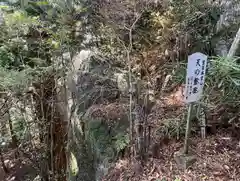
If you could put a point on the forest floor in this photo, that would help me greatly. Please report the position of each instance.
(19, 168)
(217, 156)
(217, 159)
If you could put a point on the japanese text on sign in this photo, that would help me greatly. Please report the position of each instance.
(196, 71)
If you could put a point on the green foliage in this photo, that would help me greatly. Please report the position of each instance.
(20, 41)
(177, 179)
(172, 128)
(14, 80)
(98, 137)
(179, 75)
(122, 141)
(29, 43)
(223, 81)
(197, 20)
(19, 127)
(6, 57)
(18, 22)
(105, 144)
(41, 30)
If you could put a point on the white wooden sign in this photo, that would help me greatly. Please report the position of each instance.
(196, 70)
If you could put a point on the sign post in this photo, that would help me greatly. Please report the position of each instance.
(196, 70)
(188, 129)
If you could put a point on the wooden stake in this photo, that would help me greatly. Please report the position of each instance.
(188, 129)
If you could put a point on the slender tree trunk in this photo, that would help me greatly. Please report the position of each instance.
(13, 135)
(140, 119)
(2, 161)
(4, 119)
(140, 131)
(4, 128)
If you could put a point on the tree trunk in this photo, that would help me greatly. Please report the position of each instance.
(2, 161)
(13, 135)
(140, 122)
(139, 110)
(53, 127)
(4, 119)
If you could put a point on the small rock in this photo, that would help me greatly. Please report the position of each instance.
(205, 165)
(12, 178)
(226, 167)
(6, 161)
(217, 173)
(184, 161)
(38, 178)
(137, 167)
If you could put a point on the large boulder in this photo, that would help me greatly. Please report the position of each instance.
(107, 132)
(227, 25)
(92, 80)
(95, 87)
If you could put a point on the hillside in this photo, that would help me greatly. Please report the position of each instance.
(97, 90)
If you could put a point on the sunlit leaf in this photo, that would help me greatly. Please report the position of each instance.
(73, 164)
